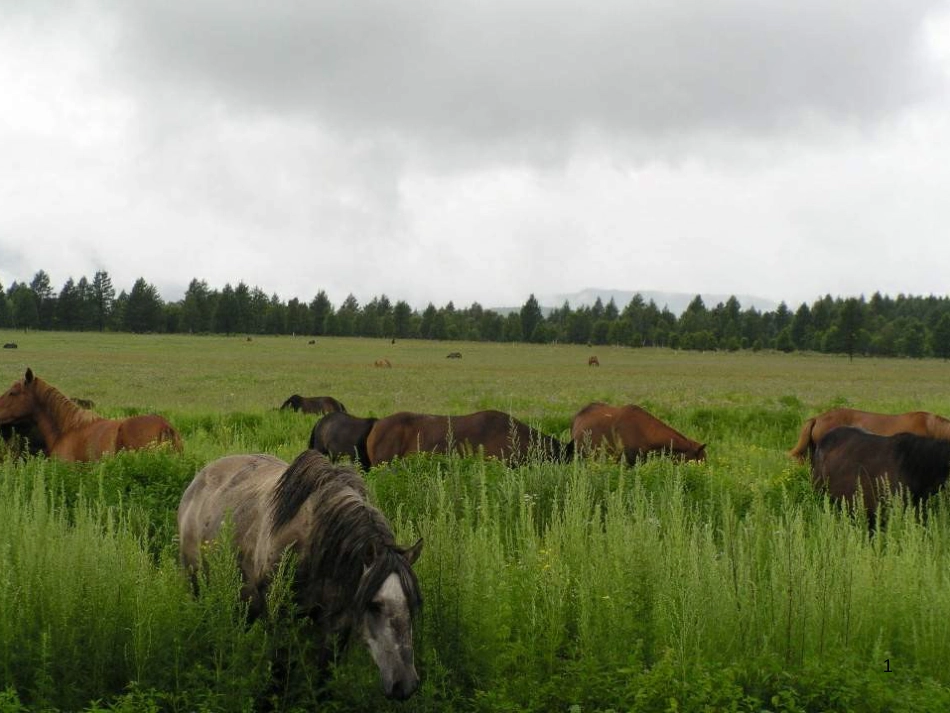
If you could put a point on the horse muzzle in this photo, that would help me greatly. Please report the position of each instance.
(402, 687)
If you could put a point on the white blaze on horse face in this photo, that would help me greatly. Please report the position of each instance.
(387, 631)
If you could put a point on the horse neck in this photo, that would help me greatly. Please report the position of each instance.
(54, 413)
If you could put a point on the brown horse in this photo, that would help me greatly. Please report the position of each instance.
(494, 433)
(920, 423)
(593, 361)
(350, 577)
(339, 435)
(75, 434)
(313, 404)
(847, 457)
(384, 363)
(631, 433)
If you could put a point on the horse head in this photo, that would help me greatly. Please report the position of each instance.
(292, 402)
(18, 402)
(387, 600)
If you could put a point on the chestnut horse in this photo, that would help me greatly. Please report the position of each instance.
(494, 433)
(848, 457)
(630, 432)
(921, 423)
(76, 434)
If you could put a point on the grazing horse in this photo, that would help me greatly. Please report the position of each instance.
(593, 361)
(73, 433)
(339, 434)
(454, 355)
(630, 432)
(350, 576)
(920, 423)
(496, 434)
(313, 404)
(848, 457)
(384, 363)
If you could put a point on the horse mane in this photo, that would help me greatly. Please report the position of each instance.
(63, 410)
(351, 549)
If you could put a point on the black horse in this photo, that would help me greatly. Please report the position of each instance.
(849, 457)
(340, 434)
(313, 404)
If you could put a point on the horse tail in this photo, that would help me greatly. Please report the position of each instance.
(805, 443)
(170, 435)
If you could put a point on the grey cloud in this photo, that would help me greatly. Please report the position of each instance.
(519, 71)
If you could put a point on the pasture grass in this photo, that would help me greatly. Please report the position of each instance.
(583, 586)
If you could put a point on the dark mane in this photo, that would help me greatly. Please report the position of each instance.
(352, 549)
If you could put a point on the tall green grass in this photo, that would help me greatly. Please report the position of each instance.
(547, 586)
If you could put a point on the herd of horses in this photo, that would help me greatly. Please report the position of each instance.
(351, 577)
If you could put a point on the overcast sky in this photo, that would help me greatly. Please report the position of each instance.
(436, 151)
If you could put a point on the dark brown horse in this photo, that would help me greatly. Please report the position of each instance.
(920, 423)
(313, 404)
(631, 433)
(849, 457)
(593, 361)
(350, 577)
(21, 439)
(340, 435)
(494, 433)
(76, 434)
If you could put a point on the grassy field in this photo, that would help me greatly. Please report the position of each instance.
(584, 586)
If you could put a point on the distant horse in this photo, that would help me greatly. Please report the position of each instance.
(454, 355)
(593, 361)
(10, 345)
(75, 434)
(847, 457)
(350, 576)
(339, 434)
(631, 432)
(384, 363)
(920, 423)
(496, 434)
(313, 404)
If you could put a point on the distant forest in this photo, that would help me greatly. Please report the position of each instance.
(903, 326)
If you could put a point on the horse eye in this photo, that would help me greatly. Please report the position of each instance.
(374, 608)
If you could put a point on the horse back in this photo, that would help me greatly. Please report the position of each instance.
(236, 487)
(882, 424)
(146, 430)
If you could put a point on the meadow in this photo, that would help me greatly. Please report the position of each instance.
(586, 586)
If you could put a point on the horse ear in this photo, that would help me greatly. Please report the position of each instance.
(29, 375)
(412, 554)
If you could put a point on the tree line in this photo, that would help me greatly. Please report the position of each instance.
(902, 326)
